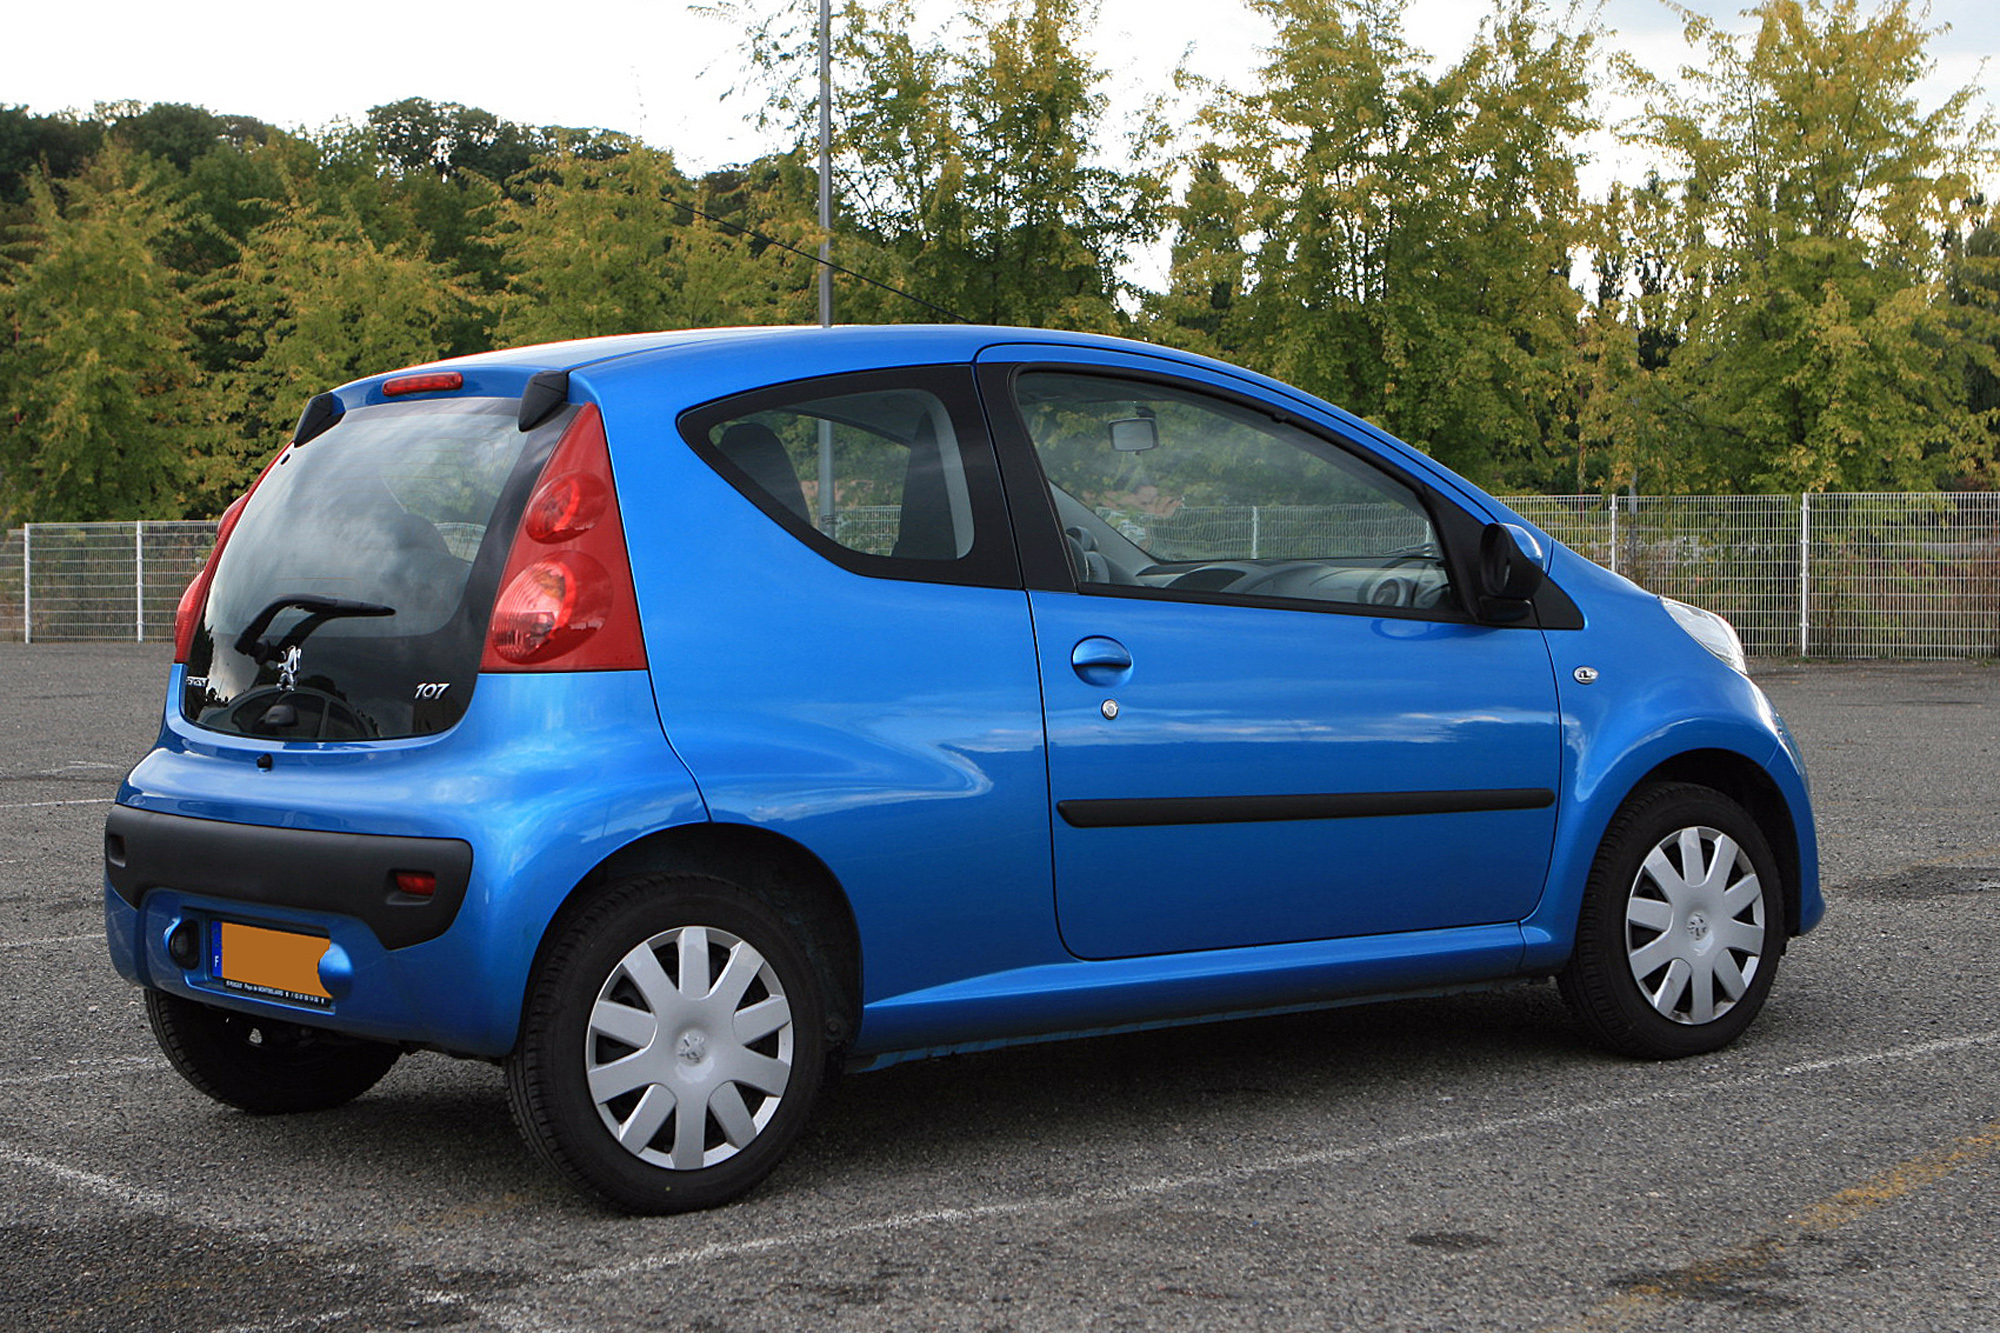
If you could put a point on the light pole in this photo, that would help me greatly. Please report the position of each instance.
(826, 514)
(825, 163)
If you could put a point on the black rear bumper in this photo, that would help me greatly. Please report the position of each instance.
(351, 874)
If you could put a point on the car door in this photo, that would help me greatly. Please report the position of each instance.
(1269, 716)
(841, 653)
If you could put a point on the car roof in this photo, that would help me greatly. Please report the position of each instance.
(928, 342)
(801, 351)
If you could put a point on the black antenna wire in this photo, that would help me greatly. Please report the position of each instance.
(754, 234)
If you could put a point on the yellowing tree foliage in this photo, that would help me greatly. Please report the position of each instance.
(97, 383)
(623, 246)
(1410, 236)
(1801, 291)
(313, 301)
(1821, 215)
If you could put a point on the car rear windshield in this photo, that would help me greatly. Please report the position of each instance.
(352, 600)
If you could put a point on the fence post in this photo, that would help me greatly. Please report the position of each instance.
(1805, 571)
(27, 583)
(139, 580)
(1613, 546)
(1256, 528)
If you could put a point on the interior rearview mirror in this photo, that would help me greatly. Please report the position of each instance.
(1133, 435)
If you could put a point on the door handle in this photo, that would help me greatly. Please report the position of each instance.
(1101, 661)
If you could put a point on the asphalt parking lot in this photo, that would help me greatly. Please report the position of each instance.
(1458, 1163)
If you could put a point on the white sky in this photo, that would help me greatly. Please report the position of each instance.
(652, 67)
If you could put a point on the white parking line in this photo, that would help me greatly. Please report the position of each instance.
(340, 1317)
(52, 939)
(1102, 1199)
(43, 805)
(122, 1064)
(118, 1191)
(1113, 1196)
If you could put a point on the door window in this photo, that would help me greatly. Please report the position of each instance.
(888, 473)
(1164, 489)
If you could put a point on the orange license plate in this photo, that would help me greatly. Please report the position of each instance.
(276, 964)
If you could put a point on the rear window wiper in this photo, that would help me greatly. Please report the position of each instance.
(318, 611)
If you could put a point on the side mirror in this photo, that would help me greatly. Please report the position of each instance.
(1134, 435)
(1510, 570)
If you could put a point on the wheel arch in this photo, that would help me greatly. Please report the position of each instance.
(1747, 784)
(789, 878)
(1707, 757)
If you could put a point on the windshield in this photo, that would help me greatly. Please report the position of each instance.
(351, 601)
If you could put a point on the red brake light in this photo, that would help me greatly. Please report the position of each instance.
(566, 600)
(566, 507)
(431, 382)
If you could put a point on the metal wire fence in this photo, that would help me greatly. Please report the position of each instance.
(1888, 575)
(98, 580)
(1912, 576)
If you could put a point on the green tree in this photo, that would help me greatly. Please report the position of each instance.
(1415, 232)
(228, 193)
(446, 138)
(179, 133)
(30, 144)
(1817, 348)
(1973, 289)
(312, 302)
(970, 163)
(1631, 420)
(615, 246)
(1208, 263)
(100, 362)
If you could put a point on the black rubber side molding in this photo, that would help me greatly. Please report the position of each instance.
(352, 874)
(1147, 811)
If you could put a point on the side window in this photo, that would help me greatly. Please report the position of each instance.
(877, 472)
(1157, 487)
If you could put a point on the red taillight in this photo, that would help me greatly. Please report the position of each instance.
(566, 601)
(195, 596)
(431, 382)
(567, 507)
(549, 608)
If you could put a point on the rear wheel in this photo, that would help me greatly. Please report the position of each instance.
(263, 1065)
(1680, 931)
(673, 1045)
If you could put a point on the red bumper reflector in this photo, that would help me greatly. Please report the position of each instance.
(418, 883)
(431, 383)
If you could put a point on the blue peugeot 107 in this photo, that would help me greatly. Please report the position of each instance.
(677, 717)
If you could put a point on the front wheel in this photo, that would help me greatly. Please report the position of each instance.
(262, 1065)
(672, 1047)
(1679, 936)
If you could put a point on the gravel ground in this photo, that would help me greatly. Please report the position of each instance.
(1452, 1164)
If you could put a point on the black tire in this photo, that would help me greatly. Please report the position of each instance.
(261, 1065)
(1663, 967)
(755, 1088)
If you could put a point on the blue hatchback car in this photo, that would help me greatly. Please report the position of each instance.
(675, 718)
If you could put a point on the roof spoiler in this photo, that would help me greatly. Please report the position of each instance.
(545, 393)
(318, 418)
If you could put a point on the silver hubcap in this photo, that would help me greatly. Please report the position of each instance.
(1694, 925)
(690, 1048)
